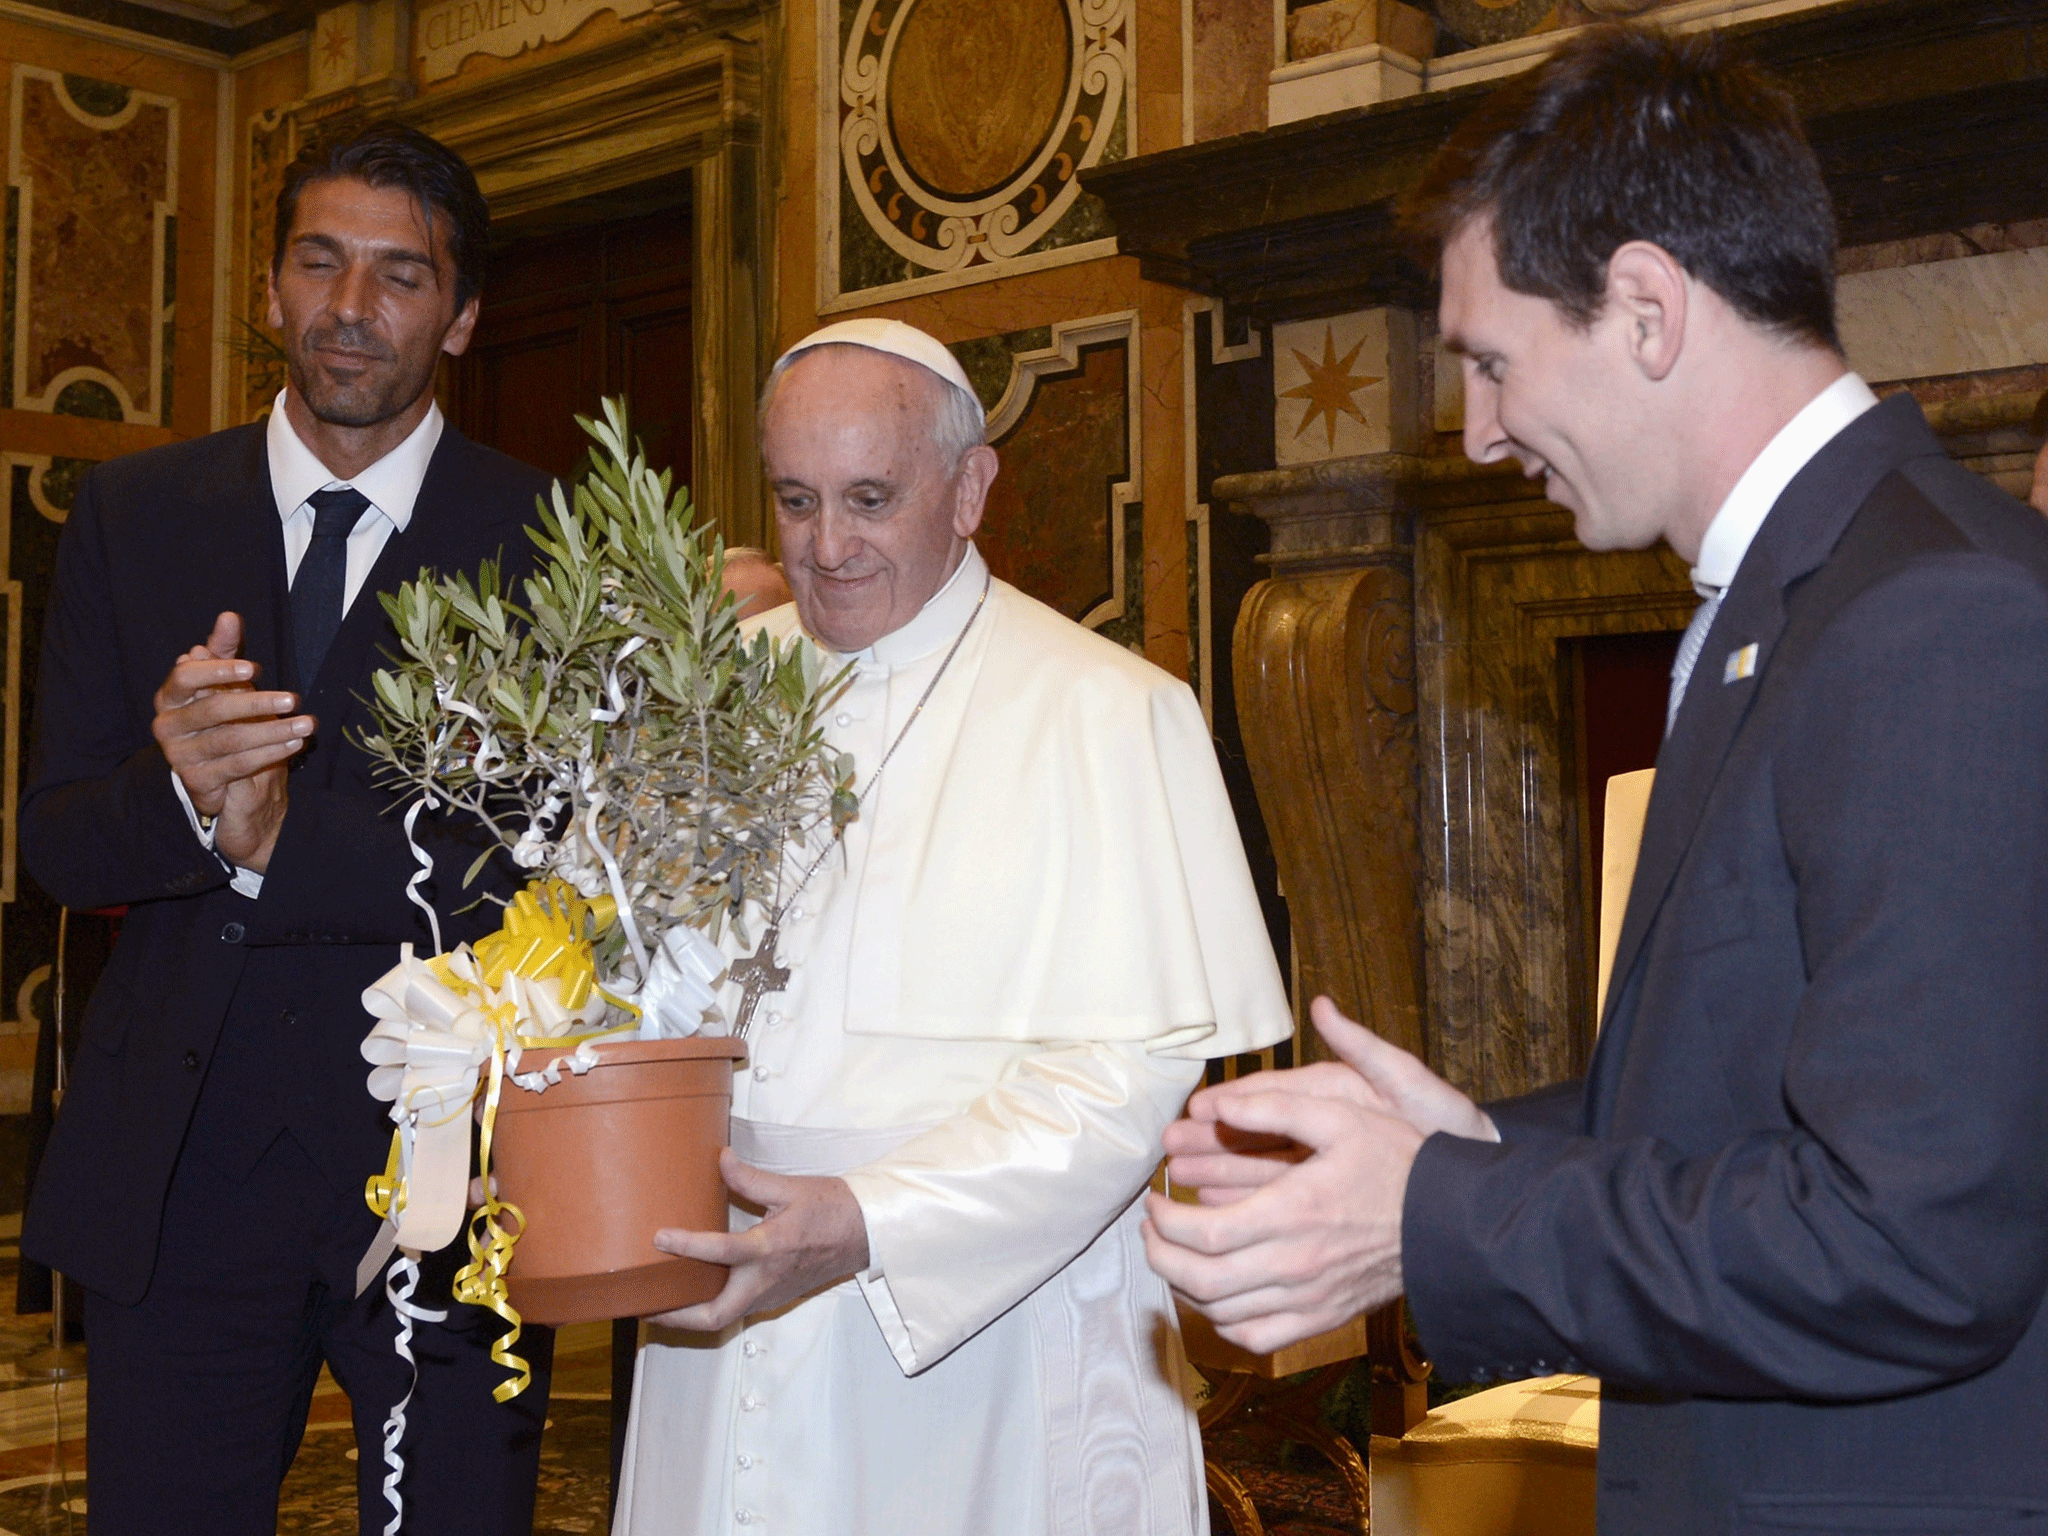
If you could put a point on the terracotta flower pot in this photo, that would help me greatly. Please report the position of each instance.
(598, 1163)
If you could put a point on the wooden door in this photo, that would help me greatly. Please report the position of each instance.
(574, 315)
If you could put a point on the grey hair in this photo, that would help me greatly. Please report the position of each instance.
(960, 425)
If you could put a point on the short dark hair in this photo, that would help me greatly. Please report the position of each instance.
(1627, 133)
(389, 154)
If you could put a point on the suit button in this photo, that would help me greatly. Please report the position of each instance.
(288, 1018)
(191, 1061)
(231, 934)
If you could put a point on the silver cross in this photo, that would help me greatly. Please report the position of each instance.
(758, 974)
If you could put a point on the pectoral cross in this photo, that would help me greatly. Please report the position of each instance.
(758, 974)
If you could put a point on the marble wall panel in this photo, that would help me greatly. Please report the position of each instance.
(1344, 386)
(1965, 315)
(93, 181)
(1232, 48)
(272, 142)
(1064, 520)
(1500, 585)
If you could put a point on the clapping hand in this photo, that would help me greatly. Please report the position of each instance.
(228, 742)
(1282, 1247)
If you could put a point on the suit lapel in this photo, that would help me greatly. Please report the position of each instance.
(236, 500)
(1801, 531)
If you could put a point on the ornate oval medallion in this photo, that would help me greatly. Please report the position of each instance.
(975, 87)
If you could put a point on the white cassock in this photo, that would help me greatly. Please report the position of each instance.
(1002, 992)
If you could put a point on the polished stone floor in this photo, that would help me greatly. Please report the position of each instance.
(42, 1451)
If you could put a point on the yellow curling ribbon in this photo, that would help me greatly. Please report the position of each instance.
(382, 1189)
(549, 932)
(481, 1282)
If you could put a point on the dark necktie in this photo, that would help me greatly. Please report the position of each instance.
(322, 578)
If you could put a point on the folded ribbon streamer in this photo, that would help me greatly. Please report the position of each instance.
(440, 1021)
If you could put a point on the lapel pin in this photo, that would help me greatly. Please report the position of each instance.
(1741, 664)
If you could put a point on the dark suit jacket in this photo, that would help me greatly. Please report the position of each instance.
(220, 1019)
(1797, 1221)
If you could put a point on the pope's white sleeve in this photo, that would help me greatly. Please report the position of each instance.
(973, 1215)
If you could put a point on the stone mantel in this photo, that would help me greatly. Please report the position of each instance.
(1927, 115)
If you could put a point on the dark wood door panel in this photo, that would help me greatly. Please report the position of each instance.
(570, 318)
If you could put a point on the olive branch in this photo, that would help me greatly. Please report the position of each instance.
(615, 728)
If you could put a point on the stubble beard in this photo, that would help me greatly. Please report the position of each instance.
(383, 390)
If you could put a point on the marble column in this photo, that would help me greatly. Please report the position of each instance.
(1324, 662)
(1402, 682)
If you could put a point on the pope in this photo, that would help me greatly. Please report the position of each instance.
(969, 1021)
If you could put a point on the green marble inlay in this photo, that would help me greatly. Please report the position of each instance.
(1128, 630)
(88, 397)
(60, 481)
(864, 260)
(990, 360)
(1088, 219)
(96, 98)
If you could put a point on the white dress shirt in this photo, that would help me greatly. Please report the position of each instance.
(1729, 535)
(392, 485)
(1735, 525)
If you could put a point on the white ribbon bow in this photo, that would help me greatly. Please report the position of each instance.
(427, 1052)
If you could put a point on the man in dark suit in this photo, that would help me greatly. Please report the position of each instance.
(210, 642)
(1796, 1218)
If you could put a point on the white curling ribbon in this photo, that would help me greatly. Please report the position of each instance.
(425, 871)
(681, 985)
(611, 682)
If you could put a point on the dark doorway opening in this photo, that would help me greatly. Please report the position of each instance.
(1615, 688)
(590, 299)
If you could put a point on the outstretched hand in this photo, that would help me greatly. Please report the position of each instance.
(1289, 1244)
(813, 1236)
(1225, 1162)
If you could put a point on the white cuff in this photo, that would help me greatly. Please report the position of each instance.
(874, 1286)
(244, 882)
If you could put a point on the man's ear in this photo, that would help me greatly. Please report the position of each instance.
(1648, 293)
(276, 315)
(456, 341)
(977, 472)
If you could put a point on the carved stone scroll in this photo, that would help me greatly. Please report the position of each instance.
(1325, 674)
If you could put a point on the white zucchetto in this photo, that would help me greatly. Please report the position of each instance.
(895, 338)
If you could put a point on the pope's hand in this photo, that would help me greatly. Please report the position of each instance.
(813, 1236)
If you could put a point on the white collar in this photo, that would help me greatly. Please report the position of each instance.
(938, 622)
(1735, 526)
(392, 483)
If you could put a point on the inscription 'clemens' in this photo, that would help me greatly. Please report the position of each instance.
(452, 30)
